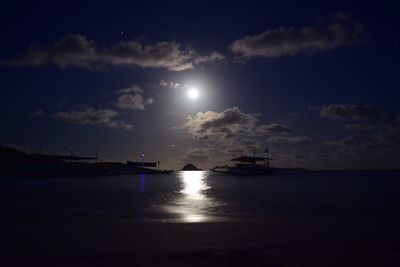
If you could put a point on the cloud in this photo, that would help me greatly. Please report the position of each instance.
(382, 141)
(171, 85)
(235, 130)
(71, 50)
(289, 139)
(224, 125)
(273, 129)
(341, 31)
(135, 101)
(91, 116)
(132, 98)
(367, 150)
(149, 101)
(334, 111)
(397, 119)
(76, 50)
(61, 103)
(214, 56)
(352, 140)
(132, 89)
(38, 113)
(366, 127)
(197, 155)
(167, 55)
(388, 138)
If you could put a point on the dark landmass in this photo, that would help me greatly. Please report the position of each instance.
(190, 167)
(17, 163)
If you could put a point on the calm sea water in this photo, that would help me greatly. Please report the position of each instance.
(202, 197)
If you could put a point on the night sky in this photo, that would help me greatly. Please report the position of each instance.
(202, 81)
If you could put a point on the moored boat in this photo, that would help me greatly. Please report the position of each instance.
(247, 166)
(141, 167)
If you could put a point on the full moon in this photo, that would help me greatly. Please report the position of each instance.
(193, 93)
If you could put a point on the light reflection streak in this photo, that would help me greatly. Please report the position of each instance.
(193, 204)
(142, 183)
(193, 184)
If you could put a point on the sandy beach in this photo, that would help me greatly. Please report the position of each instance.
(275, 242)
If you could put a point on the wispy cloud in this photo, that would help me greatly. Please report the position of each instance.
(289, 139)
(71, 50)
(341, 31)
(76, 50)
(367, 127)
(92, 116)
(171, 84)
(336, 111)
(132, 89)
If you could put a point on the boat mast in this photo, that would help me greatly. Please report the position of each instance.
(142, 158)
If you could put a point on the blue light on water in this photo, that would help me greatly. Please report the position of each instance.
(142, 183)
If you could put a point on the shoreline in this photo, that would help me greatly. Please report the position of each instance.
(274, 242)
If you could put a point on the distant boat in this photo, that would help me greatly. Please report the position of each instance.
(140, 167)
(247, 166)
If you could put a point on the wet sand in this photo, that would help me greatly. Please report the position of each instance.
(275, 242)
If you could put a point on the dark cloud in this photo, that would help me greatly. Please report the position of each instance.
(387, 138)
(341, 31)
(77, 50)
(71, 50)
(196, 155)
(397, 119)
(289, 139)
(380, 142)
(335, 111)
(38, 113)
(273, 129)
(352, 140)
(91, 116)
(366, 127)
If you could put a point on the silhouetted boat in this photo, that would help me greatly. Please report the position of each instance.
(14, 162)
(247, 166)
(140, 167)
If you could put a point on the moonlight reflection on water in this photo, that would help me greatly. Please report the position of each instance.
(192, 204)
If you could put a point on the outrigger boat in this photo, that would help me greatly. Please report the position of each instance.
(141, 167)
(247, 166)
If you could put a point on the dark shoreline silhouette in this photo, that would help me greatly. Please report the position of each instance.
(14, 162)
(190, 167)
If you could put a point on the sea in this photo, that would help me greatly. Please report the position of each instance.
(203, 196)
